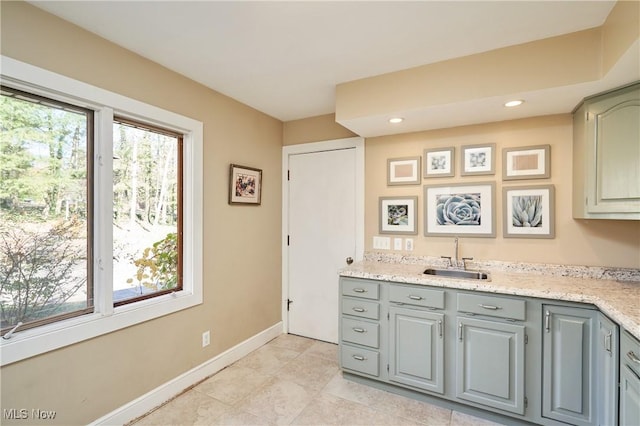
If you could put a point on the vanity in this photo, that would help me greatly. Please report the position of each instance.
(516, 347)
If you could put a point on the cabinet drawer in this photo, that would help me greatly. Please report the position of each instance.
(412, 295)
(361, 308)
(360, 332)
(358, 359)
(356, 288)
(630, 351)
(492, 306)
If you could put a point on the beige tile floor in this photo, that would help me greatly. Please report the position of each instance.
(293, 380)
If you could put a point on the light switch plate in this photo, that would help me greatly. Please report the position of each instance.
(397, 243)
(382, 243)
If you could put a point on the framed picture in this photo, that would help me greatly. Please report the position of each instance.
(398, 215)
(478, 160)
(403, 171)
(531, 162)
(438, 162)
(529, 211)
(460, 209)
(245, 185)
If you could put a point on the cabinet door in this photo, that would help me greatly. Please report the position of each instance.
(490, 364)
(613, 135)
(416, 355)
(629, 397)
(607, 371)
(568, 386)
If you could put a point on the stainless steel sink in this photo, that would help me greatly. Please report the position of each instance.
(458, 273)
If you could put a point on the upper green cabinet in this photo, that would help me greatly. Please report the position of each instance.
(606, 156)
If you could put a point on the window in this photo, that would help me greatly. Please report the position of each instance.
(45, 238)
(101, 211)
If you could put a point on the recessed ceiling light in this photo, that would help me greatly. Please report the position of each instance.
(513, 103)
(396, 120)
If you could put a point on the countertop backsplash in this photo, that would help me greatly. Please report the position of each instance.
(574, 271)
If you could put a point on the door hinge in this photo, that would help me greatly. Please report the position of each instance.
(289, 302)
(526, 402)
(388, 316)
(287, 239)
(526, 339)
(387, 367)
(288, 174)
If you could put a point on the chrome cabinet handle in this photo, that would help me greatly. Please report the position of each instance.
(412, 297)
(359, 309)
(359, 330)
(633, 357)
(547, 321)
(359, 357)
(359, 290)
(607, 341)
(493, 308)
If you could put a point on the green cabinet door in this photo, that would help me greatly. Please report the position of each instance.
(568, 385)
(607, 371)
(629, 397)
(416, 348)
(490, 364)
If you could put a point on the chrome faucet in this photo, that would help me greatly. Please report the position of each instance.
(455, 261)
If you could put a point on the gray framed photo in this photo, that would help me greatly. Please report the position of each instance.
(529, 211)
(403, 171)
(460, 210)
(439, 162)
(398, 215)
(478, 160)
(245, 185)
(530, 162)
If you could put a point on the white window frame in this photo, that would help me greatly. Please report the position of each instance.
(105, 318)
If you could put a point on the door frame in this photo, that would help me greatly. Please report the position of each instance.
(308, 148)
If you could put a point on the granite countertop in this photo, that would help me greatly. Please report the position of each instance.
(620, 300)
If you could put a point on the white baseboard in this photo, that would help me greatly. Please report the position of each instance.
(168, 390)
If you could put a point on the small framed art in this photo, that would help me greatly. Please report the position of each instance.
(438, 162)
(531, 162)
(529, 212)
(403, 171)
(460, 209)
(398, 215)
(478, 160)
(245, 185)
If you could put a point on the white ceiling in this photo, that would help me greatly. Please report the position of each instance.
(286, 58)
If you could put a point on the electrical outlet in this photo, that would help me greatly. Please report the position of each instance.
(206, 338)
(397, 243)
(408, 244)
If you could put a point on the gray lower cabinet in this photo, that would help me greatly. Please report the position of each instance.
(606, 371)
(629, 380)
(568, 386)
(416, 348)
(490, 364)
(471, 347)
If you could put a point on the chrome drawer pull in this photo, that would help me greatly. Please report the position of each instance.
(359, 290)
(633, 357)
(547, 321)
(412, 297)
(358, 309)
(359, 330)
(359, 357)
(493, 308)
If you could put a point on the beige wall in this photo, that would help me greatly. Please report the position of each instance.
(314, 129)
(87, 380)
(577, 242)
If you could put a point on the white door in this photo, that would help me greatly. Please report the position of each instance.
(322, 235)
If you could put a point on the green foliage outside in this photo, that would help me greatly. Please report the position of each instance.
(158, 265)
(43, 209)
